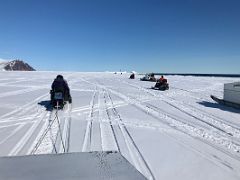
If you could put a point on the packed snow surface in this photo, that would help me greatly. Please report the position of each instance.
(176, 134)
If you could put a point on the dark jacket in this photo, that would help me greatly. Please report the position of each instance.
(60, 85)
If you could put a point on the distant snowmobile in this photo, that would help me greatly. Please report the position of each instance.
(132, 76)
(161, 84)
(149, 77)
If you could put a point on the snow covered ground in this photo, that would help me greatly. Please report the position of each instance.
(176, 134)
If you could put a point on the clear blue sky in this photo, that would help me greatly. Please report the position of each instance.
(186, 36)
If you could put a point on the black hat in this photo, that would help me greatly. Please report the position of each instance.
(59, 76)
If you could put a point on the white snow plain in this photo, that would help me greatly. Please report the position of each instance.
(179, 134)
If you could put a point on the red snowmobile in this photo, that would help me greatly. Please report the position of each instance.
(161, 85)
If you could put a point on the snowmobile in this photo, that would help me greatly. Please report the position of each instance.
(226, 103)
(149, 77)
(132, 76)
(58, 99)
(161, 86)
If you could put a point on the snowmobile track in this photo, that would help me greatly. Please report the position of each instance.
(185, 130)
(42, 134)
(138, 159)
(88, 132)
(184, 127)
(193, 131)
(136, 154)
(107, 133)
(27, 136)
(231, 130)
(17, 129)
(50, 132)
(64, 127)
(232, 141)
(110, 120)
(19, 92)
(25, 108)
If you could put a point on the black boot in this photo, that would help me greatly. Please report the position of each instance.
(70, 100)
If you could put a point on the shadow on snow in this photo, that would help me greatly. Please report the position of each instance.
(219, 106)
(46, 104)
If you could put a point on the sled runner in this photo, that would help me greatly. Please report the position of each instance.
(226, 103)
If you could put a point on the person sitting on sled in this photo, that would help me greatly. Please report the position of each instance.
(60, 84)
(161, 81)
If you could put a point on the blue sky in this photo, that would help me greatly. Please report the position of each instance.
(185, 36)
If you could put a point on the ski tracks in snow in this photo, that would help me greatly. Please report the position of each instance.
(212, 129)
(54, 136)
(99, 125)
(216, 138)
(27, 124)
(106, 130)
(23, 110)
(88, 131)
(18, 92)
(114, 134)
(136, 155)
